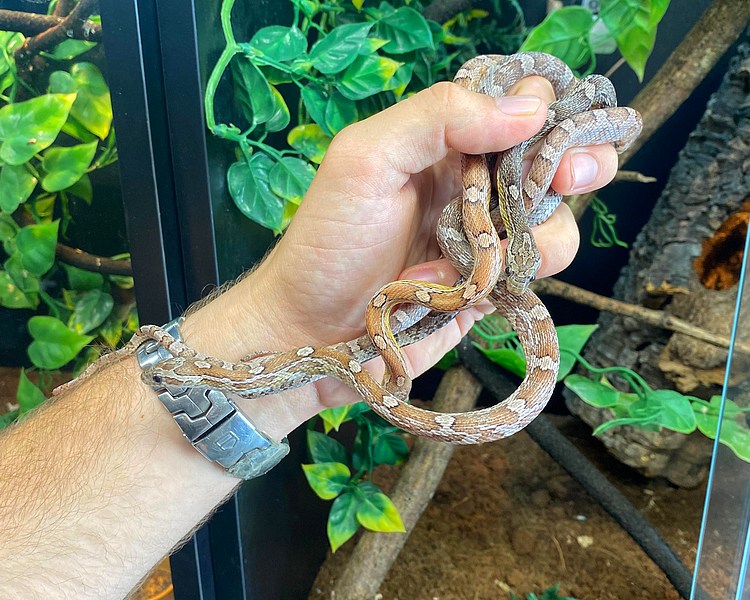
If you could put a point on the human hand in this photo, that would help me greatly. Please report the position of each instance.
(370, 214)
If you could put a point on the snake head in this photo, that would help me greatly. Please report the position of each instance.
(522, 261)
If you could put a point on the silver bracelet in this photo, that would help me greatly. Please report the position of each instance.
(211, 422)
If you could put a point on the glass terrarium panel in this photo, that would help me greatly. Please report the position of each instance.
(724, 549)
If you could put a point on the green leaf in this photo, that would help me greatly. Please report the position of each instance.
(310, 140)
(36, 246)
(672, 410)
(54, 344)
(11, 296)
(367, 76)
(449, 359)
(401, 79)
(29, 127)
(279, 43)
(390, 449)
(251, 191)
(10, 417)
(280, 118)
(253, 93)
(82, 280)
(339, 112)
(91, 309)
(93, 105)
(327, 479)
(62, 82)
(334, 417)
(342, 520)
(324, 449)
(633, 24)
(65, 166)
(572, 339)
(592, 392)
(337, 50)
(376, 512)
(111, 330)
(16, 185)
(406, 30)
(315, 99)
(565, 34)
(83, 189)
(28, 395)
(290, 178)
(69, 49)
(508, 359)
(8, 228)
(27, 282)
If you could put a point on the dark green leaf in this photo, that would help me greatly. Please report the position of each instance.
(25, 281)
(93, 106)
(253, 93)
(69, 49)
(83, 189)
(280, 118)
(367, 76)
(54, 344)
(65, 166)
(572, 339)
(91, 309)
(565, 34)
(82, 280)
(324, 449)
(342, 520)
(8, 228)
(251, 191)
(406, 30)
(310, 140)
(327, 479)
(36, 246)
(16, 185)
(290, 178)
(390, 449)
(31, 126)
(111, 331)
(11, 416)
(339, 48)
(279, 43)
(315, 99)
(339, 112)
(28, 395)
(376, 512)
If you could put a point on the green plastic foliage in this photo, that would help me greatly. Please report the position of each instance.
(93, 105)
(342, 520)
(28, 395)
(12, 295)
(54, 344)
(572, 339)
(35, 245)
(327, 480)
(565, 34)
(406, 30)
(734, 434)
(65, 166)
(259, 101)
(337, 50)
(290, 177)
(16, 185)
(633, 23)
(91, 310)
(310, 140)
(376, 511)
(324, 449)
(82, 280)
(250, 188)
(278, 43)
(595, 393)
(29, 127)
(367, 76)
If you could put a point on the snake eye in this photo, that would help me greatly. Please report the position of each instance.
(507, 270)
(157, 378)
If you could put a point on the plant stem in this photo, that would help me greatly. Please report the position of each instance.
(230, 49)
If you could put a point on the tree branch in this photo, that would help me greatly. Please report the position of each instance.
(90, 262)
(686, 67)
(657, 318)
(31, 24)
(623, 175)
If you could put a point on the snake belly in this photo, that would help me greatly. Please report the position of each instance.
(468, 233)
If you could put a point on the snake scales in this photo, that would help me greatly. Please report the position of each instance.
(584, 113)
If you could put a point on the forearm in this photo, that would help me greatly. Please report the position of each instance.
(100, 484)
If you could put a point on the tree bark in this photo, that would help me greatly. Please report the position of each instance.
(699, 216)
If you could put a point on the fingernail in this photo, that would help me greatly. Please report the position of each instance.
(519, 106)
(584, 168)
(429, 274)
